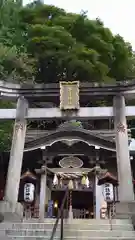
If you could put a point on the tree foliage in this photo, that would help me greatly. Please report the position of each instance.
(43, 43)
(16, 64)
(6, 128)
(70, 46)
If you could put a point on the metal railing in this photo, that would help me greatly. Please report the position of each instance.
(60, 216)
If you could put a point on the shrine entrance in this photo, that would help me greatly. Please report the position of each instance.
(72, 174)
(82, 203)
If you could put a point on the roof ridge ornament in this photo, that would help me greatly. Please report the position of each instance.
(71, 124)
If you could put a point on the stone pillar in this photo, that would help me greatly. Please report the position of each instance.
(126, 193)
(42, 195)
(15, 162)
(42, 199)
(97, 202)
(48, 195)
(70, 213)
(99, 198)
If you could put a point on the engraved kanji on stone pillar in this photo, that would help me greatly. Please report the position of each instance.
(121, 128)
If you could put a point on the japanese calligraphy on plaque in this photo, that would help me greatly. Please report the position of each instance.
(69, 95)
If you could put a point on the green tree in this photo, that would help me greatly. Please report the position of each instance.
(54, 45)
(70, 46)
(6, 128)
(15, 64)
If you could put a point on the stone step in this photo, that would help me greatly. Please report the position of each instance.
(100, 233)
(69, 233)
(76, 229)
(72, 228)
(74, 221)
(48, 226)
(70, 238)
(80, 221)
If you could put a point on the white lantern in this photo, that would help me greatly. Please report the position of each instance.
(108, 192)
(29, 190)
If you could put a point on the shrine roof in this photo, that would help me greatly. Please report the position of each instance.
(35, 134)
(108, 177)
(71, 134)
(28, 174)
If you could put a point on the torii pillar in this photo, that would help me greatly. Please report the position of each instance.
(10, 208)
(42, 200)
(126, 193)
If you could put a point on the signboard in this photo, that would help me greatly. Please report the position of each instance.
(29, 189)
(69, 95)
(108, 192)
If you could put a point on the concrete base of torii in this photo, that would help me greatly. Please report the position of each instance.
(125, 210)
(10, 213)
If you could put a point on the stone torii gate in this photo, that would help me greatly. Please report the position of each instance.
(70, 96)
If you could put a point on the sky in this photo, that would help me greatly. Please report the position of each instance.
(118, 15)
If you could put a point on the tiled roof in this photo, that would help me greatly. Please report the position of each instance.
(28, 174)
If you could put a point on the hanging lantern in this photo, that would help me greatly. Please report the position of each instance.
(70, 185)
(87, 182)
(55, 180)
(29, 190)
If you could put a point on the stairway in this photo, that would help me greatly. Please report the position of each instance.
(76, 229)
